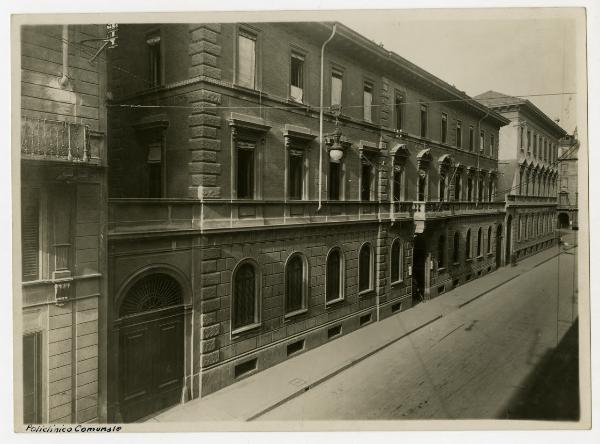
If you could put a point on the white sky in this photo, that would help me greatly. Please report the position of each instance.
(524, 54)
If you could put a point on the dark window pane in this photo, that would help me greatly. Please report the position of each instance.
(398, 105)
(245, 297)
(294, 285)
(333, 276)
(154, 180)
(245, 174)
(423, 121)
(456, 246)
(479, 240)
(297, 77)
(365, 191)
(397, 185)
(295, 177)
(364, 280)
(32, 378)
(421, 190)
(395, 261)
(444, 128)
(334, 181)
(468, 245)
(441, 251)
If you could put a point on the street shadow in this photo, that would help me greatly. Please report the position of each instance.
(551, 391)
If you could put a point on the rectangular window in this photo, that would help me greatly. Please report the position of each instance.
(295, 175)
(535, 145)
(528, 141)
(423, 120)
(334, 181)
(155, 169)
(545, 150)
(368, 102)
(246, 60)
(521, 136)
(459, 134)
(492, 145)
(336, 88)
(154, 59)
(399, 110)
(444, 127)
(32, 378)
(471, 138)
(297, 78)
(245, 170)
(365, 188)
(30, 233)
(481, 141)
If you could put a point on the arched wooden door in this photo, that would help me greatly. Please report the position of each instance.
(150, 347)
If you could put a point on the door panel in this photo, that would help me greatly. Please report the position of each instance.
(151, 361)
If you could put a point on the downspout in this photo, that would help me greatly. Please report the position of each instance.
(321, 119)
(63, 81)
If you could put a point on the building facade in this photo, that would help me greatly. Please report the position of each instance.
(528, 165)
(568, 180)
(63, 223)
(245, 226)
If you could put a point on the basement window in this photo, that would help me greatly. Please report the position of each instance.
(295, 347)
(396, 307)
(245, 367)
(334, 331)
(365, 319)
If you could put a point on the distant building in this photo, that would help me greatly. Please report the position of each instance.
(528, 165)
(63, 220)
(568, 179)
(236, 241)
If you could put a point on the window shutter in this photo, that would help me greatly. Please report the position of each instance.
(30, 234)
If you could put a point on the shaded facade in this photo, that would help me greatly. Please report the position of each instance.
(568, 179)
(528, 165)
(237, 239)
(63, 219)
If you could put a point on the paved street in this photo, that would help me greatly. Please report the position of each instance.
(476, 362)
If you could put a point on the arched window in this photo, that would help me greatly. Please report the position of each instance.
(442, 251)
(455, 247)
(396, 261)
(489, 240)
(468, 245)
(153, 292)
(479, 242)
(457, 185)
(365, 268)
(398, 180)
(295, 284)
(245, 296)
(442, 187)
(334, 276)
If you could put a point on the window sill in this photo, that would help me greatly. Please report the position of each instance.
(333, 302)
(469, 259)
(366, 292)
(295, 313)
(479, 257)
(441, 269)
(455, 264)
(245, 329)
(397, 283)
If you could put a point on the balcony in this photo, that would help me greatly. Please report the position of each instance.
(54, 140)
(516, 200)
(424, 211)
(180, 216)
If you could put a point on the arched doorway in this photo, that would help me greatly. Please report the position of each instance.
(151, 350)
(563, 220)
(499, 246)
(508, 241)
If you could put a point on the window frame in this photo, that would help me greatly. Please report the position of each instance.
(424, 120)
(27, 193)
(489, 240)
(249, 33)
(471, 138)
(305, 287)
(479, 243)
(257, 321)
(338, 73)
(444, 128)
(368, 87)
(301, 55)
(371, 284)
(442, 260)
(156, 69)
(468, 246)
(400, 270)
(341, 277)
(399, 109)
(459, 134)
(456, 248)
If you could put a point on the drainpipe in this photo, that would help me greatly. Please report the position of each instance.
(64, 80)
(321, 118)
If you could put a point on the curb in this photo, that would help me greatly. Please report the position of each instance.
(353, 362)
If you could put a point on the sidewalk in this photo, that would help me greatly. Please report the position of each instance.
(256, 395)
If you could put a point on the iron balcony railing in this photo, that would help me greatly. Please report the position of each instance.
(431, 209)
(54, 140)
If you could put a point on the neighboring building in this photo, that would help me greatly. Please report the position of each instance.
(63, 212)
(528, 164)
(567, 174)
(228, 250)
